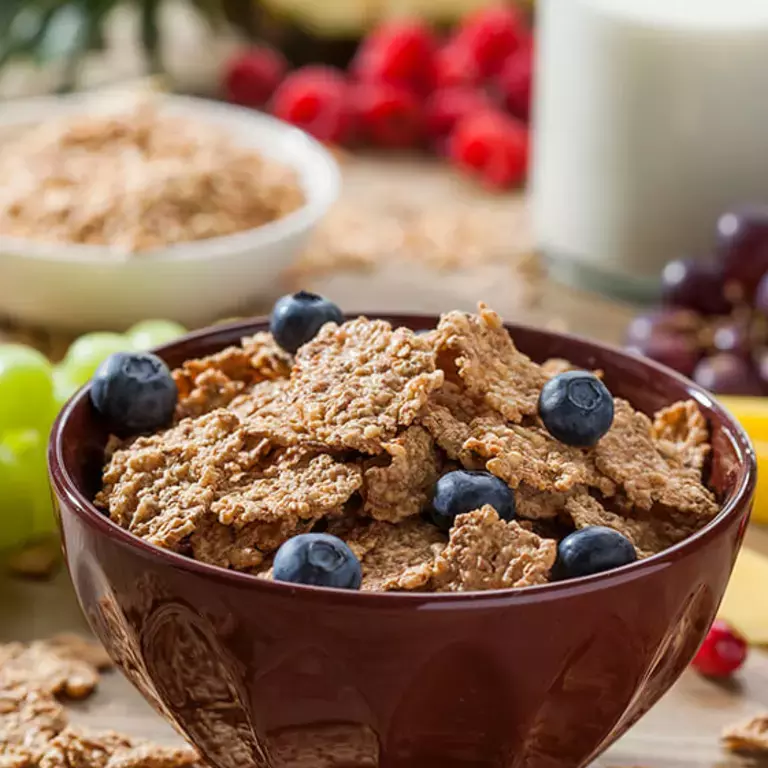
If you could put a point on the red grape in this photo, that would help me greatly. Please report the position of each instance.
(733, 337)
(760, 358)
(696, 285)
(761, 296)
(661, 321)
(674, 350)
(727, 374)
(742, 246)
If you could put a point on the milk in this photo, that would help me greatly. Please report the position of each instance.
(651, 118)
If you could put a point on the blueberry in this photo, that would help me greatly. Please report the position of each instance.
(319, 559)
(592, 550)
(576, 408)
(135, 392)
(296, 318)
(464, 491)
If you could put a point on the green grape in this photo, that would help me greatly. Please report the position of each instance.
(26, 388)
(63, 387)
(88, 352)
(152, 333)
(29, 447)
(26, 509)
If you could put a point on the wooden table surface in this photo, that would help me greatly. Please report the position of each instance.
(682, 731)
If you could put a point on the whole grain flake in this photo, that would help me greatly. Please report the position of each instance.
(350, 435)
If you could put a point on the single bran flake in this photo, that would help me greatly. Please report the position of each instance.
(65, 665)
(749, 737)
(485, 552)
(355, 385)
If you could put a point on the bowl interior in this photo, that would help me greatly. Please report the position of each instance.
(79, 437)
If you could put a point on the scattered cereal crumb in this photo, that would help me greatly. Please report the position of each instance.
(749, 736)
(38, 560)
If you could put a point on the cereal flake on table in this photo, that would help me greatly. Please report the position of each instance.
(750, 736)
(34, 726)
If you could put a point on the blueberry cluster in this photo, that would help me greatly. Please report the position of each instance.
(136, 393)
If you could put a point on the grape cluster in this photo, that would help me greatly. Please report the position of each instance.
(713, 322)
(32, 392)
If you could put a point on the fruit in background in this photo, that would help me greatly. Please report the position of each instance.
(153, 333)
(31, 394)
(64, 386)
(250, 78)
(734, 337)
(493, 34)
(28, 448)
(694, 285)
(445, 107)
(318, 100)
(728, 296)
(456, 66)
(387, 116)
(397, 65)
(727, 374)
(514, 82)
(88, 352)
(742, 246)
(25, 504)
(400, 53)
(492, 147)
(26, 388)
(722, 653)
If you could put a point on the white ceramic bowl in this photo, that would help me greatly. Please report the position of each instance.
(76, 287)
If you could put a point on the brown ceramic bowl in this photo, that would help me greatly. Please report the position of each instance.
(256, 673)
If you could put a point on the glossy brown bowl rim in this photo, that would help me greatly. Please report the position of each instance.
(744, 488)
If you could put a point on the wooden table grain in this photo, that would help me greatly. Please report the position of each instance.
(682, 730)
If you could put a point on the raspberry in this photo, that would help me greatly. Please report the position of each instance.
(250, 78)
(400, 53)
(514, 82)
(455, 65)
(491, 146)
(317, 100)
(723, 651)
(446, 107)
(492, 34)
(388, 116)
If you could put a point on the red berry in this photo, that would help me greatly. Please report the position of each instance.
(250, 78)
(493, 34)
(723, 651)
(515, 80)
(316, 99)
(388, 116)
(455, 65)
(491, 146)
(401, 53)
(444, 108)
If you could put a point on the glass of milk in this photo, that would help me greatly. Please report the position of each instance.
(651, 119)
